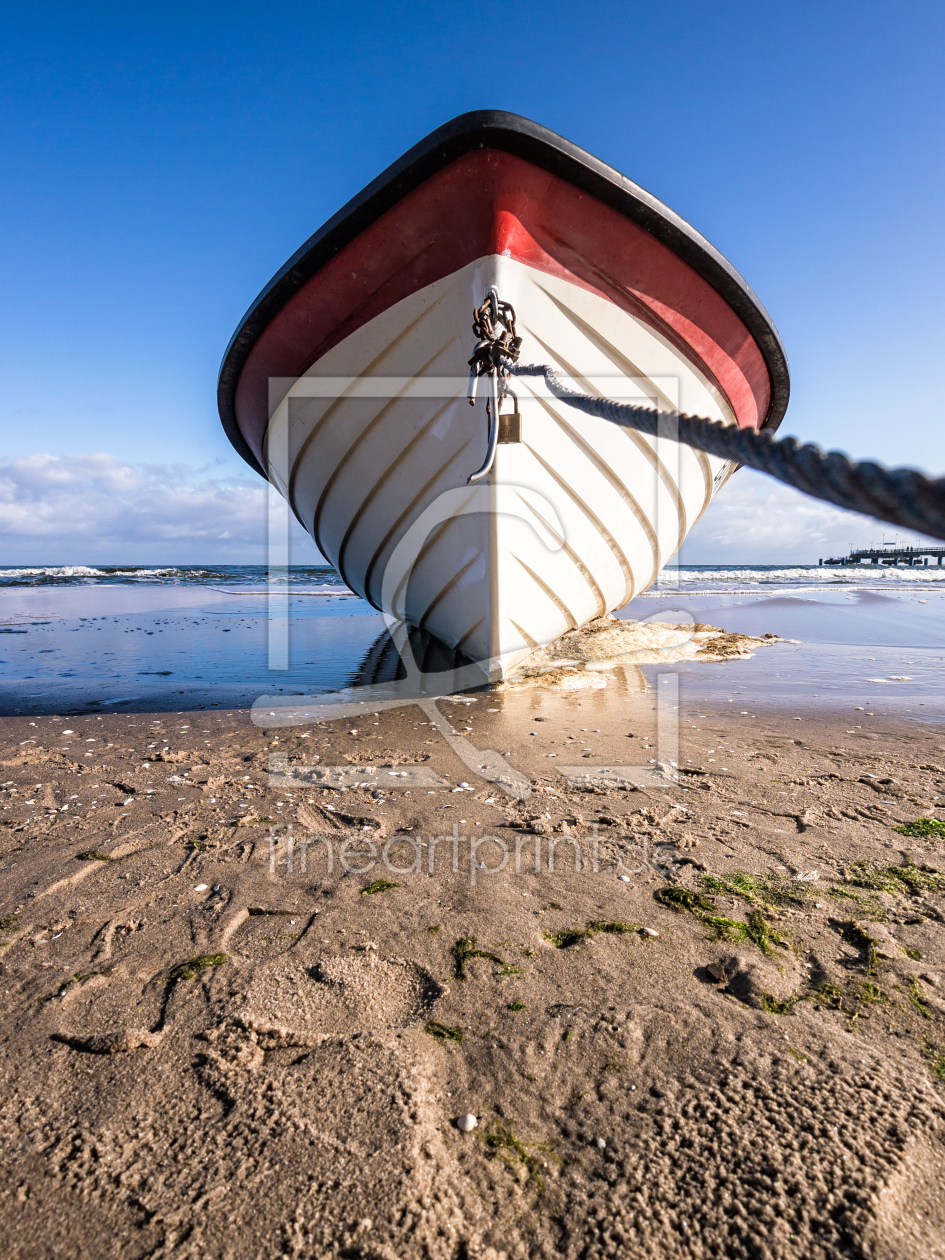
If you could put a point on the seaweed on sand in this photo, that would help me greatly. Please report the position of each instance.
(676, 898)
(755, 929)
(897, 879)
(379, 886)
(771, 890)
(568, 937)
(502, 1143)
(7, 924)
(917, 1000)
(828, 994)
(774, 1007)
(443, 1032)
(924, 829)
(465, 950)
(193, 966)
(937, 1058)
(873, 995)
(870, 904)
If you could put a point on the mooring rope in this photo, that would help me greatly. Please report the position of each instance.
(901, 496)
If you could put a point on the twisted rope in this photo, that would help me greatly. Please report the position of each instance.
(901, 496)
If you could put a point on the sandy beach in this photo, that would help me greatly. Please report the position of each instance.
(703, 1016)
(472, 633)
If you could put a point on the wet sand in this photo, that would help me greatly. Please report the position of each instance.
(723, 1035)
(96, 649)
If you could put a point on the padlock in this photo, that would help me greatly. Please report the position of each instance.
(510, 427)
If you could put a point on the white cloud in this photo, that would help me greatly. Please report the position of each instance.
(757, 520)
(96, 508)
(83, 509)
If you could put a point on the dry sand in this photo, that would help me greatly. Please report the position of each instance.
(204, 1055)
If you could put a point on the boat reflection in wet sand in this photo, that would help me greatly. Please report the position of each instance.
(346, 385)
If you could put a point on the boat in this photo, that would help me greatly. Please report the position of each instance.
(346, 385)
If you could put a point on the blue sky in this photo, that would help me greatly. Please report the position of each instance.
(158, 164)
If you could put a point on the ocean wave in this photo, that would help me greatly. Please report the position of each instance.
(145, 575)
(822, 576)
(64, 570)
(303, 580)
(84, 574)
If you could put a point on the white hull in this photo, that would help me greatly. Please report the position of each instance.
(373, 446)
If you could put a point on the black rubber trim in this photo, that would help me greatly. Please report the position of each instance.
(495, 129)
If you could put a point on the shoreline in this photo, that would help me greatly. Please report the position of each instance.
(182, 661)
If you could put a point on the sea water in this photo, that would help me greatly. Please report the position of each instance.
(98, 639)
(861, 639)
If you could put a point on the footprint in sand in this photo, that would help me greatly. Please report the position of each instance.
(345, 994)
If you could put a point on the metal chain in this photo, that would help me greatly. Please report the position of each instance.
(494, 325)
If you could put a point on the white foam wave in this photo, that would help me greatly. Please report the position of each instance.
(821, 575)
(63, 570)
(84, 570)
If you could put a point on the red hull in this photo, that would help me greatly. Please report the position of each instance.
(490, 202)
